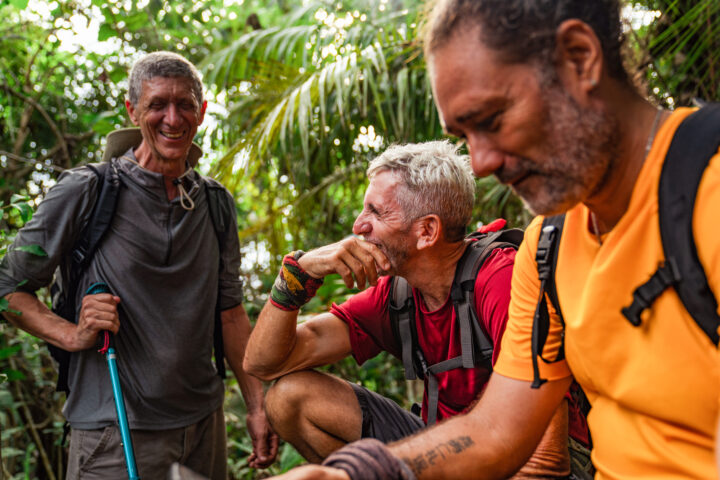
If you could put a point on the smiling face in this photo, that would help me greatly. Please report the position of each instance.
(168, 114)
(382, 221)
(525, 130)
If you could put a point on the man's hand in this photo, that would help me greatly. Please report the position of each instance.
(351, 257)
(314, 472)
(98, 312)
(264, 440)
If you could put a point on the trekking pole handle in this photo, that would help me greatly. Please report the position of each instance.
(108, 339)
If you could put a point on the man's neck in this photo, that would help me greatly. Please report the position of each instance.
(170, 170)
(636, 119)
(433, 270)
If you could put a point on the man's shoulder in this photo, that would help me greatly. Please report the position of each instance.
(80, 180)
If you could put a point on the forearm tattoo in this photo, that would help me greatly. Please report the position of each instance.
(438, 454)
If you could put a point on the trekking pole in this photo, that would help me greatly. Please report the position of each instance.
(109, 350)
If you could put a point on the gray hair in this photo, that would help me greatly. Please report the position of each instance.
(434, 179)
(163, 64)
(523, 31)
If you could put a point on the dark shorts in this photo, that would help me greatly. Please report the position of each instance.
(384, 419)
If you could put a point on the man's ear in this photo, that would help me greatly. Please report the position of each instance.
(579, 58)
(203, 109)
(427, 231)
(131, 112)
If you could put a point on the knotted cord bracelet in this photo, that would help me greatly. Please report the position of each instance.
(369, 459)
(293, 287)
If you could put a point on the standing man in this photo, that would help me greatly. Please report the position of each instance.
(539, 93)
(416, 211)
(166, 268)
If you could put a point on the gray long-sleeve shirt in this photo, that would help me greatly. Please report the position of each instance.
(162, 261)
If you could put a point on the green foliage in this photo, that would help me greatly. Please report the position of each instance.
(678, 52)
(303, 95)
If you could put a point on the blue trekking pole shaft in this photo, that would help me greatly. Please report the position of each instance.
(111, 357)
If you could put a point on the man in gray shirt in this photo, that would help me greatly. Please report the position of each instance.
(166, 268)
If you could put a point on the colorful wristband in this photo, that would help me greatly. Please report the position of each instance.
(369, 459)
(293, 287)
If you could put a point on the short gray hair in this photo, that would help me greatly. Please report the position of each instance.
(434, 179)
(163, 64)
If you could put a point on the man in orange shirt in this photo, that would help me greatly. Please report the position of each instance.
(538, 91)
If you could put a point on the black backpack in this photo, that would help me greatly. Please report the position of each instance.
(476, 346)
(695, 142)
(64, 289)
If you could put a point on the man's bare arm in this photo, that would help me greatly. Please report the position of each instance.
(236, 331)
(279, 346)
(97, 313)
(493, 440)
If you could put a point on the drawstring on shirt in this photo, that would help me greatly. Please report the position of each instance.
(185, 200)
(184, 196)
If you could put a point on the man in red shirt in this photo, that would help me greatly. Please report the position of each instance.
(416, 212)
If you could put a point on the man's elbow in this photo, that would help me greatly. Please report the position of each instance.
(257, 369)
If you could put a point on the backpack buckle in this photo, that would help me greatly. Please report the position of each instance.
(666, 275)
(545, 250)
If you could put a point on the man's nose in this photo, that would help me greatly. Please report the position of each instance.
(485, 157)
(361, 225)
(172, 114)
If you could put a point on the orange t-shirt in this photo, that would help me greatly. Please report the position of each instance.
(654, 389)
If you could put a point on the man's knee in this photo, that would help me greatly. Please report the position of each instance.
(285, 399)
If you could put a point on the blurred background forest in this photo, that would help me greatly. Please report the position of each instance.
(302, 94)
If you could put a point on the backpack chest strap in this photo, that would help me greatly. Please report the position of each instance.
(433, 390)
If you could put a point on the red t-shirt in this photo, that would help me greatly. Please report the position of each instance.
(367, 317)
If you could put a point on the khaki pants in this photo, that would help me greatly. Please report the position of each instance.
(98, 454)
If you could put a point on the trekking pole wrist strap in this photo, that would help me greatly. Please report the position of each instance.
(293, 287)
(369, 459)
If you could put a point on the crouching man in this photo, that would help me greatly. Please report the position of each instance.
(416, 211)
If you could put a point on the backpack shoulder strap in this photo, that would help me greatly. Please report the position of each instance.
(218, 205)
(402, 319)
(220, 212)
(695, 142)
(546, 261)
(476, 346)
(82, 253)
(102, 215)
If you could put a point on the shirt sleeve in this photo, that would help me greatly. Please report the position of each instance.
(492, 295)
(368, 320)
(55, 226)
(231, 284)
(515, 360)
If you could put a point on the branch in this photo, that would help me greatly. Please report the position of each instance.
(18, 158)
(53, 126)
(33, 427)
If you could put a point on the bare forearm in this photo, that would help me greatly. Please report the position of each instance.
(35, 318)
(236, 332)
(271, 342)
(492, 441)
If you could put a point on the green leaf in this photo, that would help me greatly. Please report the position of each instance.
(33, 249)
(24, 209)
(19, 4)
(117, 75)
(4, 305)
(136, 21)
(15, 375)
(9, 351)
(106, 32)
